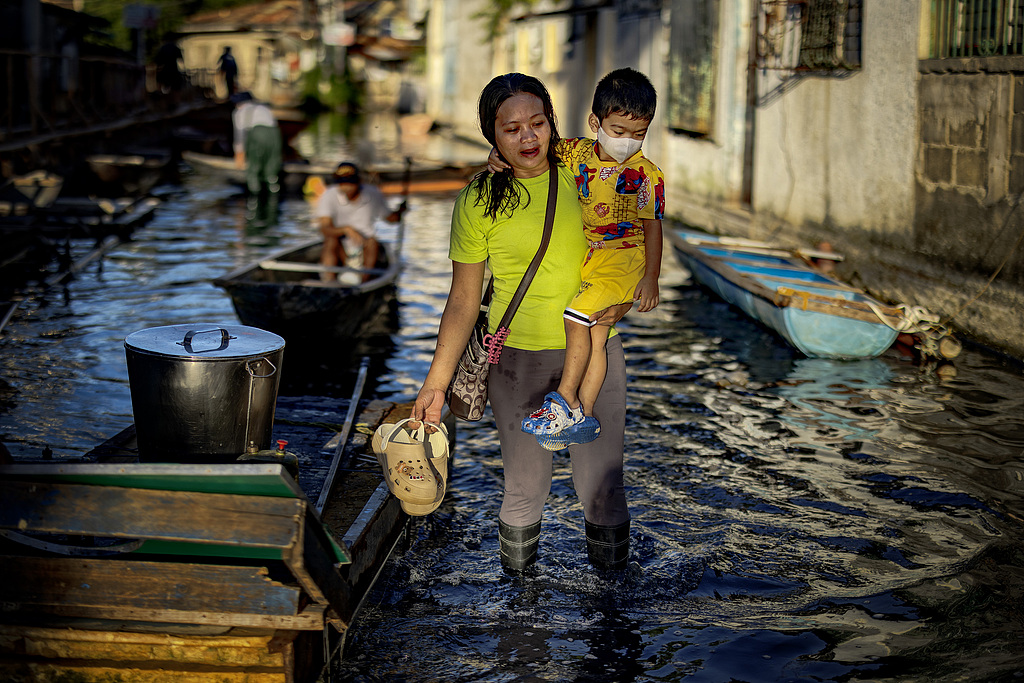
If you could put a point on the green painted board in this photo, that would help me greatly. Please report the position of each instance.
(239, 479)
(249, 479)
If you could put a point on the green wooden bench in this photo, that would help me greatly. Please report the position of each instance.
(228, 544)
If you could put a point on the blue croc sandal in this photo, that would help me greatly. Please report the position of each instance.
(584, 432)
(553, 417)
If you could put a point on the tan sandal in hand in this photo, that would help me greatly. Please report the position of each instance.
(414, 463)
(438, 453)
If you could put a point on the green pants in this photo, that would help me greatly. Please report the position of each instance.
(262, 158)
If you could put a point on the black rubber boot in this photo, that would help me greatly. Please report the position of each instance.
(608, 546)
(518, 546)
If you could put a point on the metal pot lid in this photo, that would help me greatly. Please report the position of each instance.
(205, 340)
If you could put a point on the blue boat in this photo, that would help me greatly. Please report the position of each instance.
(817, 314)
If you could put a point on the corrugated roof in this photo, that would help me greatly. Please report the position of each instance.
(276, 15)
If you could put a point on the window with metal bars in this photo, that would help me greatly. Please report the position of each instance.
(809, 35)
(976, 28)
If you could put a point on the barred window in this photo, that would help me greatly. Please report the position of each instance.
(809, 35)
(976, 28)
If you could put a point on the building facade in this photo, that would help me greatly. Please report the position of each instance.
(892, 130)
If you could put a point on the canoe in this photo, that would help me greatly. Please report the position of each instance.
(127, 174)
(22, 195)
(283, 294)
(92, 218)
(817, 314)
(117, 569)
(390, 180)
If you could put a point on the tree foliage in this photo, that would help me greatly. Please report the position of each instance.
(496, 16)
(173, 14)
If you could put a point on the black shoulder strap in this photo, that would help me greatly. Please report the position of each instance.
(549, 219)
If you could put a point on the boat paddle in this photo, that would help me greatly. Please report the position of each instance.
(353, 406)
(405, 200)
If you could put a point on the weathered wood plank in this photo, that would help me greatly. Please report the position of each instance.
(37, 654)
(242, 478)
(371, 539)
(108, 511)
(149, 591)
(247, 479)
(317, 571)
(129, 646)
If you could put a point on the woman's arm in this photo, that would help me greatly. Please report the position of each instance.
(460, 314)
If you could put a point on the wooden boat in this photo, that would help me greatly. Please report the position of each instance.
(391, 180)
(127, 174)
(88, 217)
(21, 196)
(116, 570)
(284, 294)
(817, 314)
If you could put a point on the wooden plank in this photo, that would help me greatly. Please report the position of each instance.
(71, 653)
(372, 538)
(113, 512)
(152, 591)
(130, 648)
(293, 267)
(240, 478)
(317, 571)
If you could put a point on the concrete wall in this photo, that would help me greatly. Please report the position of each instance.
(569, 53)
(971, 170)
(459, 64)
(840, 152)
(704, 176)
(915, 175)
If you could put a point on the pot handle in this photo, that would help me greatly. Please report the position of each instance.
(273, 368)
(224, 338)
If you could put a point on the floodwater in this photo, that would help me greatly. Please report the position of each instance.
(793, 519)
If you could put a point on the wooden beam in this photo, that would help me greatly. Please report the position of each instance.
(172, 592)
(115, 512)
(294, 267)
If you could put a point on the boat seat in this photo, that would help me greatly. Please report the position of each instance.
(240, 542)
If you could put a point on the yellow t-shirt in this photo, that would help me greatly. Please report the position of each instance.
(508, 244)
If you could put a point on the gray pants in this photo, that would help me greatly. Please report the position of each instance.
(516, 387)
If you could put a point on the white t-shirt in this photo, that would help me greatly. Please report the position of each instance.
(247, 116)
(362, 213)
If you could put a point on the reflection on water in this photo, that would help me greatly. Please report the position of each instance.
(793, 519)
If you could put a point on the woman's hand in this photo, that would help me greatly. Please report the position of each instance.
(429, 406)
(611, 315)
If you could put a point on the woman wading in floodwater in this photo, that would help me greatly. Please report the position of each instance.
(497, 223)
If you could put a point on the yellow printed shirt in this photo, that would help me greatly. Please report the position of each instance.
(615, 198)
(508, 244)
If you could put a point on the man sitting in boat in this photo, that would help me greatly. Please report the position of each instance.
(346, 214)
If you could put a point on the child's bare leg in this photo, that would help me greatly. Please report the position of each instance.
(577, 357)
(597, 368)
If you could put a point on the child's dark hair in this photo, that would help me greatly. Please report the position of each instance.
(500, 192)
(627, 92)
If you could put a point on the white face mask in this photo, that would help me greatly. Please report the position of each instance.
(619, 149)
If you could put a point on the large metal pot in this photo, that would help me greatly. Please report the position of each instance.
(203, 392)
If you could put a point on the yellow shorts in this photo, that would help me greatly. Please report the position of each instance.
(609, 277)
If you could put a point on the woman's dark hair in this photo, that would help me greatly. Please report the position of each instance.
(500, 192)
